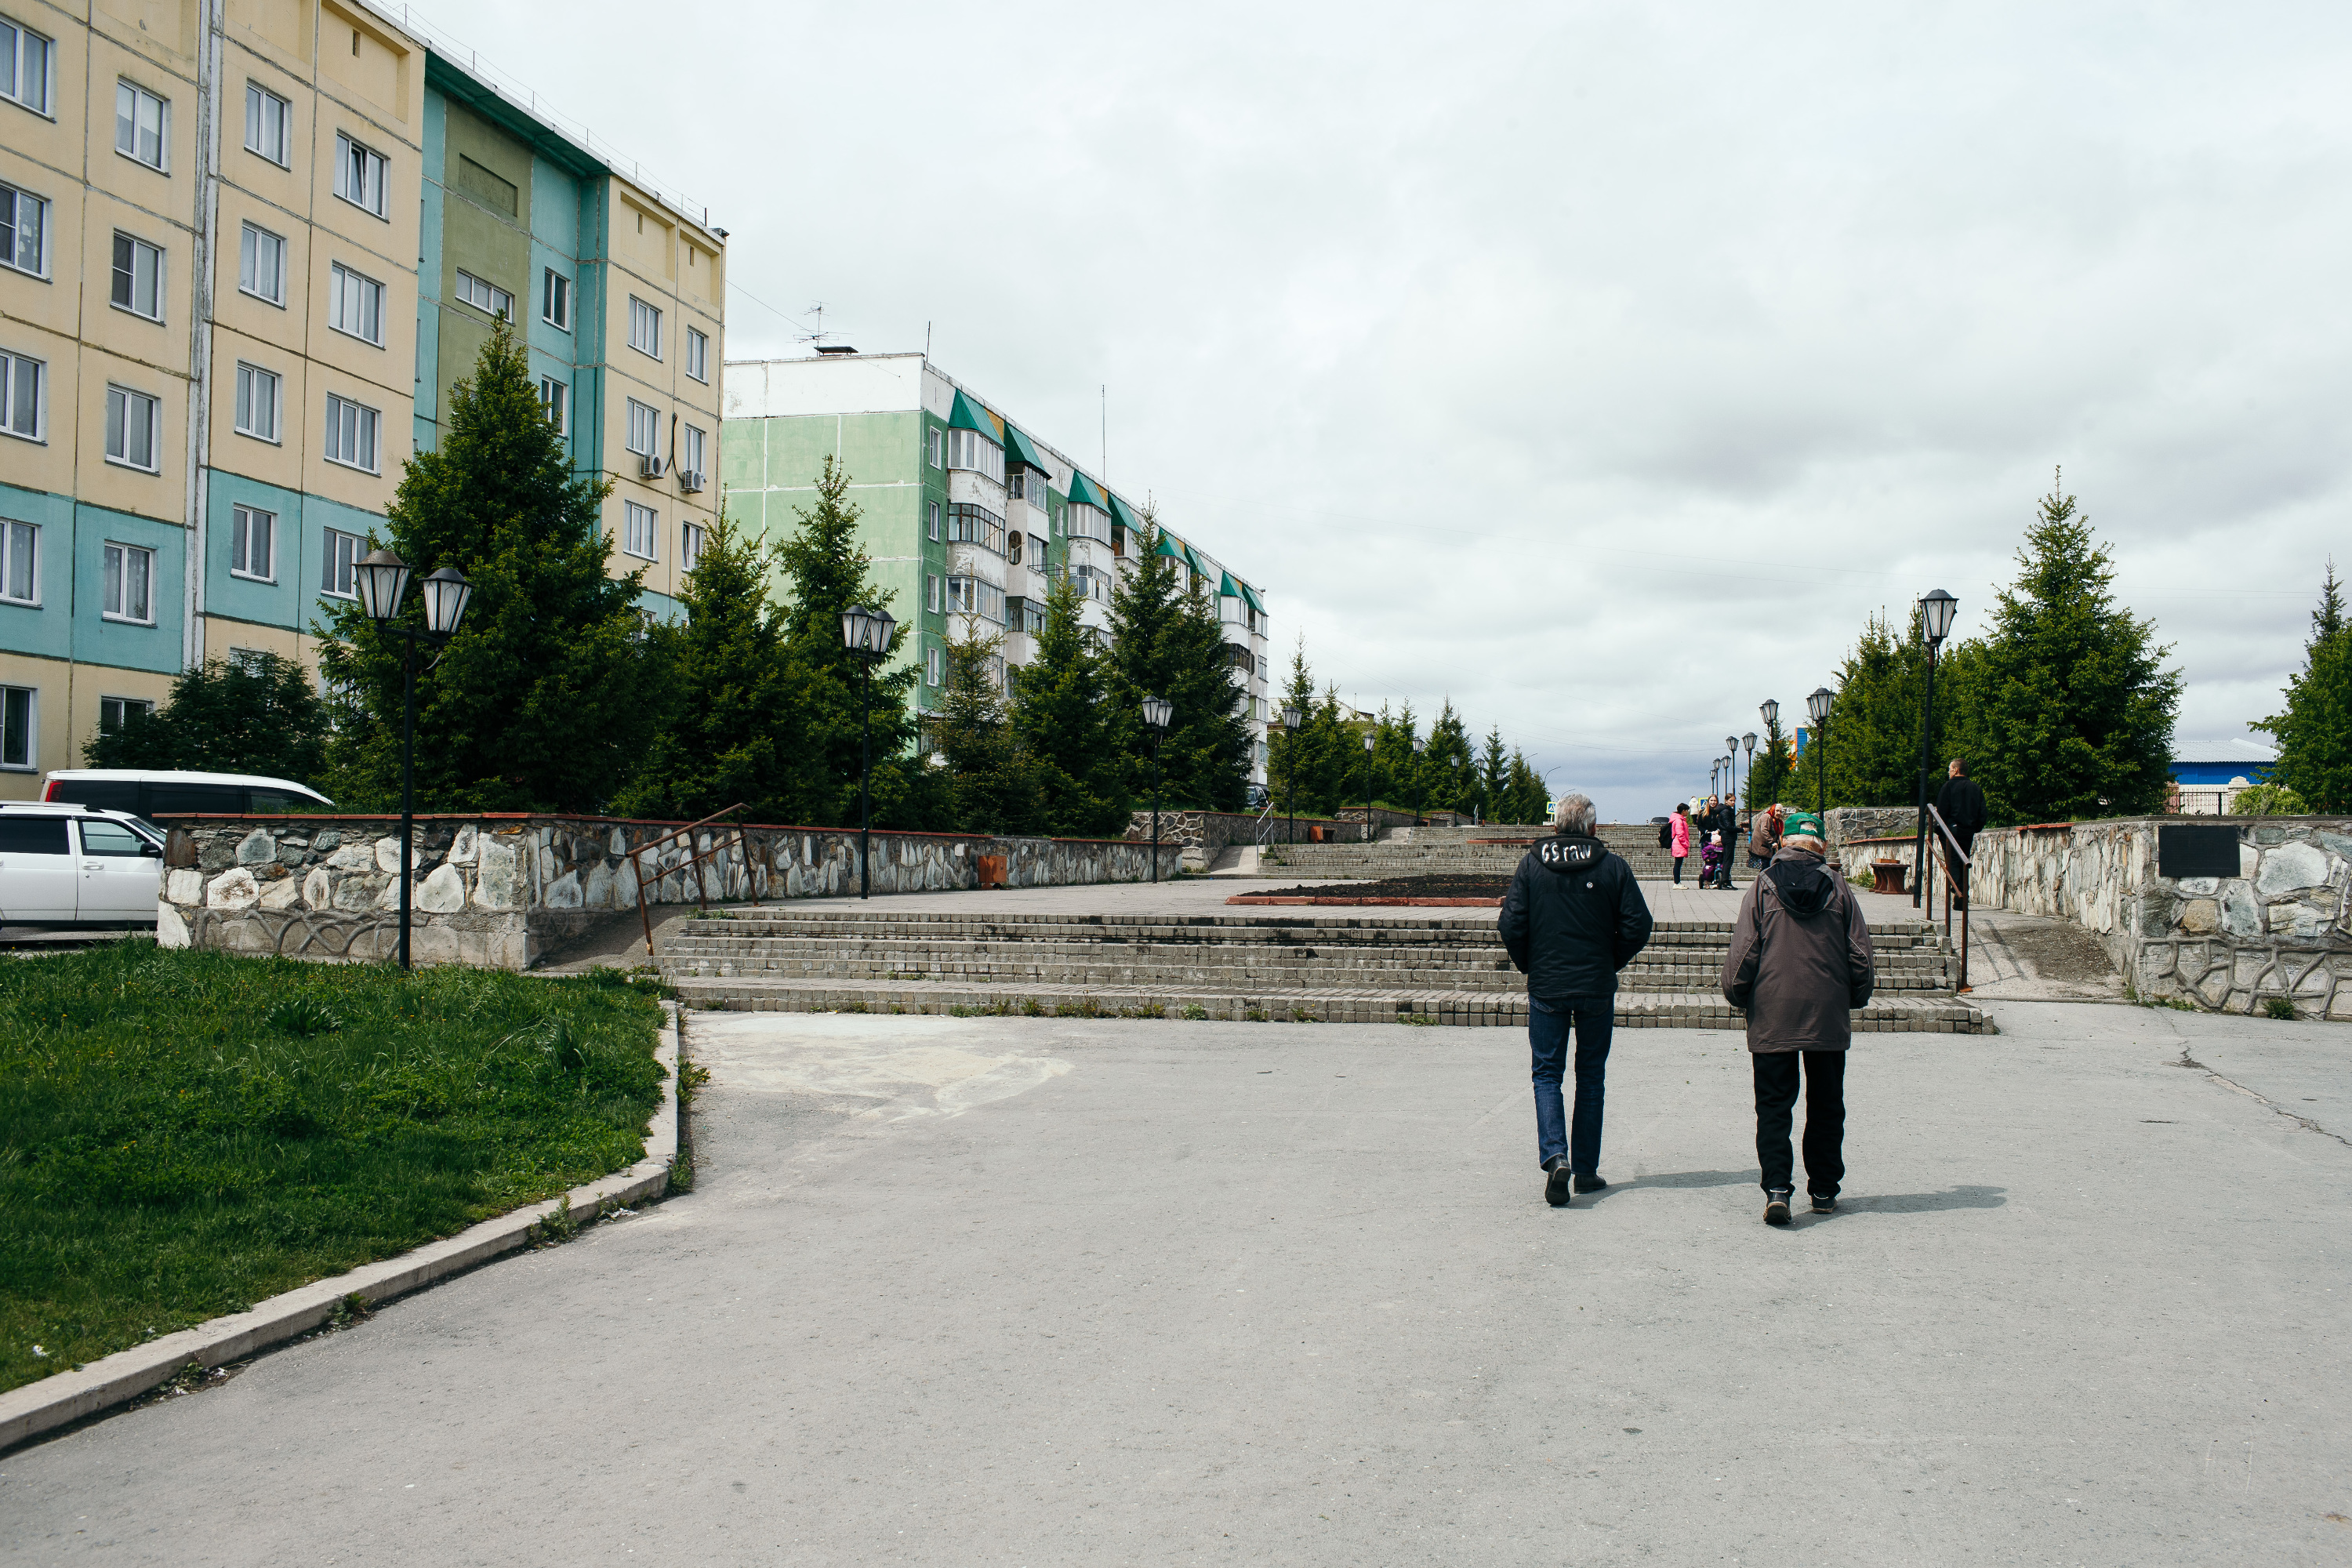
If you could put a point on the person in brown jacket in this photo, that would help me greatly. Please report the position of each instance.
(1764, 840)
(1799, 964)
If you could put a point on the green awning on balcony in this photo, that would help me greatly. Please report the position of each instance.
(1020, 449)
(1168, 545)
(1249, 597)
(1225, 588)
(1084, 493)
(970, 416)
(1192, 558)
(1123, 514)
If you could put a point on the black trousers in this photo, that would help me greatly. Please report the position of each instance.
(1776, 1098)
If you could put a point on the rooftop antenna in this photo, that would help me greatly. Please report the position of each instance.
(1106, 432)
(818, 336)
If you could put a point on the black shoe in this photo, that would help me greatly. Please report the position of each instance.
(1776, 1207)
(1590, 1183)
(1825, 1203)
(1555, 1185)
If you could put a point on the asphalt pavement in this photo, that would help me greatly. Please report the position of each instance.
(1040, 1291)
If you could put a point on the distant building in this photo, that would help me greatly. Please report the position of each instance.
(2206, 783)
(964, 514)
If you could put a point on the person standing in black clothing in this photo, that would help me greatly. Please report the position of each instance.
(1573, 918)
(1726, 822)
(1961, 803)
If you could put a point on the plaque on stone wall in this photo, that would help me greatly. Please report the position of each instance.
(2196, 851)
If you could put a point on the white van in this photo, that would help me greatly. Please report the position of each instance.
(76, 866)
(153, 794)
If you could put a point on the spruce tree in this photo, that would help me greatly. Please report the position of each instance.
(256, 714)
(2067, 706)
(1494, 775)
(2314, 732)
(1167, 641)
(826, 573)
(733, 726)
(544, 698)
(991, 782)
(1077, 737)
(1448, 769)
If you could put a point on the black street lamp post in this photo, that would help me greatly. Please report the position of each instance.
(382, 583)
(1935, 613)
(867, 635)
(1818, 707)
(1291, 720)
(1369, 834)
(1156, 711)
(1769, 712)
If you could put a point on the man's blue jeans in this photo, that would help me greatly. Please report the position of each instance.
(1594, 1020)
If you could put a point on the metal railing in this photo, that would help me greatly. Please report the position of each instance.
(694, 858)
(1947, 848)
(1265, 828)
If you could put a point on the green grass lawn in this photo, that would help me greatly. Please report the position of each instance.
(184, 1133)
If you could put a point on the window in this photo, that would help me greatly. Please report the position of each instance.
(258, 392)
(359, 174)
(639, 526)
(644, 327)
(20, 545)
(16, 728)
(351, 434)
(689, 546)
(261, 265)
(936, 447)
(972, 597)
(113, 714)
(1012, 547)
(555, 300)
(130, 426)
(138, 278)
(645, 429)
(129, 573)
(339, 561)
(930, 666)
(969, 449)
(472, 291)
(1086, 522)
(355, 304)
(267, 125)
(690, 457)
(931, 595)
(21, 380)
(935, 516)
(23, 225)
(26, 62)
(253, 544)
(139, 124)
(1033, 616)
(969, 524)
(698, 355)
(555, 397)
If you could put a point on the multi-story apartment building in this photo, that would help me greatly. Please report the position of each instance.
(965, 514)
(215, 331)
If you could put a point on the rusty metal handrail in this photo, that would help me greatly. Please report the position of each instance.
(694, 858)
(1948, 846)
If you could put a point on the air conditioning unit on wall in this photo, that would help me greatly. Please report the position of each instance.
(689, 480)
(651, 468)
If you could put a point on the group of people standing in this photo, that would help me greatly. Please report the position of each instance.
(1712, 828)
(1800, 963)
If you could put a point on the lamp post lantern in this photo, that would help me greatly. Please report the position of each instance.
(1369, 834)
(1731, 777)
(867, 635)
(1156, 711)
(1291, 719)
(1935, 612)
(1817, 707)
(382, 584)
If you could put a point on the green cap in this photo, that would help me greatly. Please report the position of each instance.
(1801, 825)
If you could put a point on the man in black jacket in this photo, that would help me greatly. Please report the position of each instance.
(1961, 803)
(1573, 918)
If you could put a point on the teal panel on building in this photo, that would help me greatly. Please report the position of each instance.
(292, 596)
(44, 628)
(152, 644)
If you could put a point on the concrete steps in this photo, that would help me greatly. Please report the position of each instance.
(1279, 967)
(1432, 851)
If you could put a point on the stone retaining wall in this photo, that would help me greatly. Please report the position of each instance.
(504, 891)
(1210, 831)
(2282, 927)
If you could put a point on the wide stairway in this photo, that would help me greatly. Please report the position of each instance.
(1460, 852)
(1277, 968)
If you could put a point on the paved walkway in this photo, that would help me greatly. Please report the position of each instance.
(1006, 1291)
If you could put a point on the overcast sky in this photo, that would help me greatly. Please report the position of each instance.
(1598, 368)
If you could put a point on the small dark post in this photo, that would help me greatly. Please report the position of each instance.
(867, 635)
(1156, 711)
(1291, 719)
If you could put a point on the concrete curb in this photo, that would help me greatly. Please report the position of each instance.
(26, 1413)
